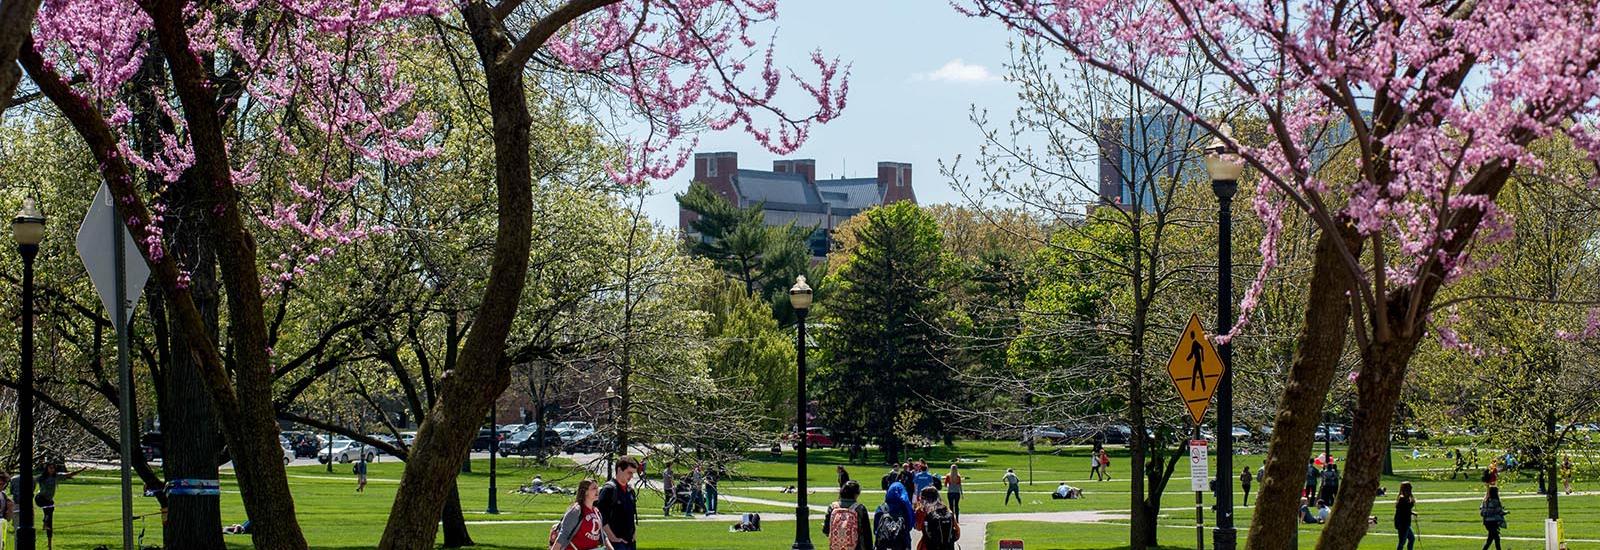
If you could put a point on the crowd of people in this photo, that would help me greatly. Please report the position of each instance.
(847, 525)
(693, 493)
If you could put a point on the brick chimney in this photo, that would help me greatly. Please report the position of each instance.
(894, 182)
(716, 170)
(806, 167)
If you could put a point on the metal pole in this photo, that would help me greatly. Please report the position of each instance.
(802, 524)
(1199, 521)
(494, 505)
(124, 376)
(1224, 538)
(25, 535)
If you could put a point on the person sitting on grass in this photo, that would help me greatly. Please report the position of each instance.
(1064, 491)
(1307, 515)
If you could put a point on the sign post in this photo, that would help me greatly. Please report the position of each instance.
(1199, 464)
(1196, 370)
(118, 272)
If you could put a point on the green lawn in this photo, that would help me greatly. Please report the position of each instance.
(334, 516)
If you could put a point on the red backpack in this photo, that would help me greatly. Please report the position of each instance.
(843, 533)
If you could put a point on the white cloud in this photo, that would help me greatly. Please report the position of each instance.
(959, 71)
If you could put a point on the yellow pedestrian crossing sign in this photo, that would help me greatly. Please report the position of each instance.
(1195, 369)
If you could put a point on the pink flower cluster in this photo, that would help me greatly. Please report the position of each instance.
(1433, 99)
(326, 65)
(681, 65)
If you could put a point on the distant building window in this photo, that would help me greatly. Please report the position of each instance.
(711, 167)
(899, 178)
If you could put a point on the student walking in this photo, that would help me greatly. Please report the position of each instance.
(890, 478)
(1461, 464)
(843, 476)
(1494, 517)
(1012, 487)
(936, 522)
(1330, 484)
(1244, 482)
(1566, 473)
(697, 494)
(1312, 475)
(669, 492)
(846, 522)
(893, 520)
(952, 486)
(711, 492)
(618, 504)
(580, 527)
(1105, 464)
(1405, 507)
(360, 470)
(1094, 463)
(8, 508)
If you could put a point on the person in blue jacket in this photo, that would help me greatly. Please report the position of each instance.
(894, 519)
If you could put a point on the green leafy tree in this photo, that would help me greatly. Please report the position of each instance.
(884, 331)
(764, 259)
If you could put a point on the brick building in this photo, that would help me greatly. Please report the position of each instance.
(791, 192)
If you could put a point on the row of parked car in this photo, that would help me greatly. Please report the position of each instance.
(1118, 434)
(526, 439)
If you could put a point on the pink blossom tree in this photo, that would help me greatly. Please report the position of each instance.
(680, 65)
(1437, 102)
(328, 64)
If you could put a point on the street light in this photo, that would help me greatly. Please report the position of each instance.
(28, 230)
(800, 299)
(611, 422)
(1224, 165)
(494, 449)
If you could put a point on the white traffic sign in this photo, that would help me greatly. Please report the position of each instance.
(1199, 466)
(99, 255)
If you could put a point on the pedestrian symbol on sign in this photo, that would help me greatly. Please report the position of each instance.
(1195, 369)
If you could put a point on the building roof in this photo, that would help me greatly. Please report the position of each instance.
(757, 186)
(854, 193)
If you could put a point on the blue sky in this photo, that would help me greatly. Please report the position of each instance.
(917, 67)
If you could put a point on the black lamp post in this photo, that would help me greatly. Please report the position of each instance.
(611, 422)
(1224, 165)
(28, 230)
(800, 299)
(494, 449)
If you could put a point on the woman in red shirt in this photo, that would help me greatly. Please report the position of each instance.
(580, 527)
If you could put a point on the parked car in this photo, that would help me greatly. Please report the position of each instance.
(487, 439)
(592, 443)
(346, 451)
(150, 445)
(1046, 434)
(1115, 434)
(819, 438)
(1331, 433)
(288, 453)
(526, 443)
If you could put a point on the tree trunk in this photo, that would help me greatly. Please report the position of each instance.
(455, 523)
(1321, 342)
(189, 427)
(1368, 439)
(466, 392)
(16, 21)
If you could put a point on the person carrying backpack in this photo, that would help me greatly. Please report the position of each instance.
(1494, 517)
(579, 528)
(936, 522)
(892, 522)
(846, 522)
(618, 504)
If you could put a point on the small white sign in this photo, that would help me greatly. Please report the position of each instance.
(1199, 466)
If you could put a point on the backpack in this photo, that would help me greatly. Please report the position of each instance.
(555, 531)
(843, 533)
(887, 529)
(939, 529)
